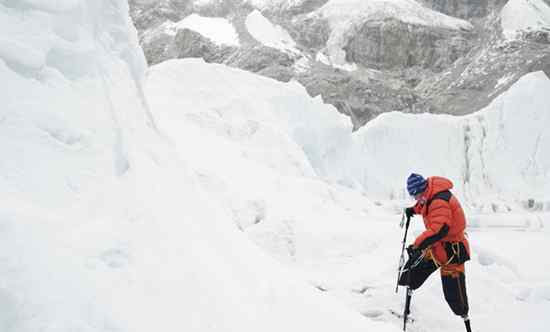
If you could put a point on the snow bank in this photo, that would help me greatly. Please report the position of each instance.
(503, 141)
(110, 223)
(248, 155)
(238, 131)
(104, 225)
(258, 147)
(269, 34)
(70, 81)
(345, 16)
(219, 30)
(524, 16)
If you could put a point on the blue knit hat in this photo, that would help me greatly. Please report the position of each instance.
(416, 184)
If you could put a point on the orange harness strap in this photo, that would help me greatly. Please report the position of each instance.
(447, 269)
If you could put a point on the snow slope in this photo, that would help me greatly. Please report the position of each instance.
(120, 201)
(259, 146)
(269, 34)
(526, 16)
(504, 141)
(247, 155)
(218, 30)
(104, 226)
(345, 16)
(69, 78)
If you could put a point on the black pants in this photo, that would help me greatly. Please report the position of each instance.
(452, 279)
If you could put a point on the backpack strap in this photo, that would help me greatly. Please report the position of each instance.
(444, 195)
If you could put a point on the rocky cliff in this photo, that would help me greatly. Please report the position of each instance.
(364, 57)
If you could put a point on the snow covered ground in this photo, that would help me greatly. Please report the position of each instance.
(210, 199)
(104, 225)
(503, 141)
(263, 148)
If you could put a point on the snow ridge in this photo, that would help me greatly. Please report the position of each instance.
(479, 150)
(266, 149)
(104, 225)
(524, 16)
(476, 151)
(269, 34)
(218, 30)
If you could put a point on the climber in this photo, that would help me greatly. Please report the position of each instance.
(442, 245)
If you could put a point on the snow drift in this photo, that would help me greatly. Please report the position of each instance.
(494, 156)
(103, 226)
(506, 140)
(112, 221)
(218, 30)
(269, 34)
(263, 149)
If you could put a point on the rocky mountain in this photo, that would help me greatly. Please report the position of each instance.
(364, 57)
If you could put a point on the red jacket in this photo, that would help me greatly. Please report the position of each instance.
(443, 217)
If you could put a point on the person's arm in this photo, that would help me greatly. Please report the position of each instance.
(440, 218)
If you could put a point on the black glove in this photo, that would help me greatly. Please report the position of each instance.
(409, 212)
(413, 252)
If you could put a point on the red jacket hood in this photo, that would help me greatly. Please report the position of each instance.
(437, 184)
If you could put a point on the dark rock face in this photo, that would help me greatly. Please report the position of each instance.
(460, 8)
(257, 58)
(190, 44)
(391, 44)
(150, 15)
(400, 66)
(540, 37)
(277, 72)
(466, 9)
(307, 7)
(290, 9)
(476, 81)
(362, 97)
(489, 69)
(160, 46)
(312, 33)
(156, 47)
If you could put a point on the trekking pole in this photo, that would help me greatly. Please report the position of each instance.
(467, 323)
(402, 258)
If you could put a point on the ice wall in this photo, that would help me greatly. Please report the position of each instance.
(70, 73)
(495, 157)
(103, 225)
(252, 142)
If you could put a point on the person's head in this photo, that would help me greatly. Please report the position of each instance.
(416, 185)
